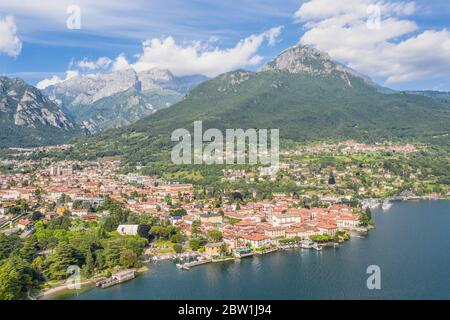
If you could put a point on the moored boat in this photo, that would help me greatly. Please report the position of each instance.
(386, 205)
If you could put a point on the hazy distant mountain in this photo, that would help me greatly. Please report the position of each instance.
(28, 118)
(441, 96)
(89, 97)
(122, 108)
(302, 92)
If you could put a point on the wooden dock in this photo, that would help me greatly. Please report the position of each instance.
(189, 265)
(117, 278)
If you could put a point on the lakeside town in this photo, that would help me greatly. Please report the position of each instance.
(91, 214)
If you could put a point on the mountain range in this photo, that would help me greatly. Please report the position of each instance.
(29, 118)
(302, 92)
(111, 100)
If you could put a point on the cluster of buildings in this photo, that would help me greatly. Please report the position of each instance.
(352, 147)
(264, 223)
(76, 188)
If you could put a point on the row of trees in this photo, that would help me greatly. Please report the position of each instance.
(26, 264)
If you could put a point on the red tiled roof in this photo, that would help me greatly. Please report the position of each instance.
(255, 237)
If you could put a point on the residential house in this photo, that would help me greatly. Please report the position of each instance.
(256, 240)
(211, 217)
(213, 249)
(128, 229)
(24, 224)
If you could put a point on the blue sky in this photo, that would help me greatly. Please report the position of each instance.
(408, 49)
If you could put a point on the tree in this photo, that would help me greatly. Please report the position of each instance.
(28, 250)
(65, 255)
(112, 255)
(10, 288)
(77, 204)
(194, 244)
(16, 278)
(36, 216)
(178, 212)
(89, 265)
(365, 218)
(144, 230)
(215, 235)
(128, 259)
(369, 213)
(196, 227)
(176, 238)
(321, 238)
(168, 200)
(64, 199)
(331, 179)
(223, 248)
(60, 223)
(178, 248)
(8, 245)
(38, 264)
(163, 232)
(23, 205)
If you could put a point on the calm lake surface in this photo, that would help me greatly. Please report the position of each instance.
(411, 245)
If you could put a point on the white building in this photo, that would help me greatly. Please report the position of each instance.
(347, 222)
(79, 212)
(128, 229)
(278, 220)
(257, 240)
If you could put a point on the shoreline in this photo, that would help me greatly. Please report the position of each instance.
(86, 285)
(89, 283)
(43, 295)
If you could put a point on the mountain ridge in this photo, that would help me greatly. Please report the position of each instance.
(29, 118)
(313, 102)
(156, 88)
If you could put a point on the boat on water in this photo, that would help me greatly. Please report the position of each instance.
(316, 246)
(371, 203)
(386, 205)
(306, 244)
(198, 262)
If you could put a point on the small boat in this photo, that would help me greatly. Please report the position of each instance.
(179, 266)
(316, 246)
(386, 205)
(306, 244)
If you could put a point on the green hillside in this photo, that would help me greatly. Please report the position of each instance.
(322, 103)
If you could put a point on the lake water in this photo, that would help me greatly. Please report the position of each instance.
(411, 245)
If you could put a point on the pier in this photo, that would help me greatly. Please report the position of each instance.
(117, 278)
(188, 265)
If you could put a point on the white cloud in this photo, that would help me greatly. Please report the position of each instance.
(100, 63)
(55, 79)
(273, 34)
(181, 59)
(10, 43)
(395, 50)
(138, 19)
(352, 10)
(197, 58)
(120, 63)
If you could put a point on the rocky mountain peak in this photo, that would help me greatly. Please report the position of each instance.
(301, 59)
(88, 89)
(28, 107)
